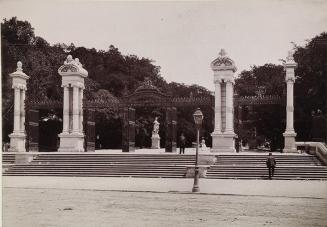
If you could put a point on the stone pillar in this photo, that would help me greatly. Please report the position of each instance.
(22, 111)
(81, 110)
(65, 128)
(17, 109)
(229, 106)
(73, 75)
(218, 127)
(76, 111)
(289, 134)
(223, 135)
(18, 137)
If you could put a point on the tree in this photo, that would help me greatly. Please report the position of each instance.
(17, 32)
(310, 88)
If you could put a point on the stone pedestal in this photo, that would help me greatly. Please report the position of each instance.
(289, 142)
(17, 142)
(223, 136)
(18, 137)
(155, 141)
(72, 142)
(223, 142)
(72, 136)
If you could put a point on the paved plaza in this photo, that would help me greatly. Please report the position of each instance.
(66, 201)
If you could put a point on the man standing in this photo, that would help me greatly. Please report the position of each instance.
(182, 143)
(271, 163)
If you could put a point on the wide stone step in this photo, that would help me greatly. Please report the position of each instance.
(296, 167)
(99, 175)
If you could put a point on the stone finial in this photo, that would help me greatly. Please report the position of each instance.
(19, 66)
(222, 53)
(69, 60)
(290, 56)
(77, 62)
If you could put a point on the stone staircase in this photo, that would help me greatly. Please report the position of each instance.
(104, 165)
(306, 167)
(234, 166)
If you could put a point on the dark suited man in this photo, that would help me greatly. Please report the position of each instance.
(271, 164)
(182, 144)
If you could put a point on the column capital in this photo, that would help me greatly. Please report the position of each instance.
(78, 85)
(290, 79)
(19, 86)
(217, 80)
(290, 63)
(230, 80)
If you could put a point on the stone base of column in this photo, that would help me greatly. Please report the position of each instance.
(71, 142)
(223, 142)
(155, 142)
(289, 142)
(17, 142)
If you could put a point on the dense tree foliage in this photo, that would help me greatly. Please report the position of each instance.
(311, 83)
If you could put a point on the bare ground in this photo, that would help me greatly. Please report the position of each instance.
(92, 208)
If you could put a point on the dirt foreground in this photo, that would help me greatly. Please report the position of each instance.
(95, 208)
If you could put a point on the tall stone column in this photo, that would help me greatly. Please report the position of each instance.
(229, 106)
(223, 135)
(73, 75)
(18, 137)
(65, 127)
(22, 111)
(76, 109)
(81, 110)
(289, 134)
(218, 127)
(17, 112)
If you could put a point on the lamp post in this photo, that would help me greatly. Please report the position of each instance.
(198, 117)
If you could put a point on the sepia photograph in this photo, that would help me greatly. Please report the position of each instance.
(163, 113)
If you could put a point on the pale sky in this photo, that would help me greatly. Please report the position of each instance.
(181, 37)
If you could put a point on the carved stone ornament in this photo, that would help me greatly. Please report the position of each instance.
(223, 62)
(69, 68)
(72, 66)
(146, 85)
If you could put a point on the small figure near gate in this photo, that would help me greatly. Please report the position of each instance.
(182, 143)
(271, 164)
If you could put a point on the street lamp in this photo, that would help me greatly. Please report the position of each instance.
(198, 117)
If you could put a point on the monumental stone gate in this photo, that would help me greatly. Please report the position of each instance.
(78, 132)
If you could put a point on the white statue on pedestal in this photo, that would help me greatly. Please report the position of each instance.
(155, 126)
(203, 143)
(155, 134)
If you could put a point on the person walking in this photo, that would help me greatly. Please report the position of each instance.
(182, 143)
(271, 164)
